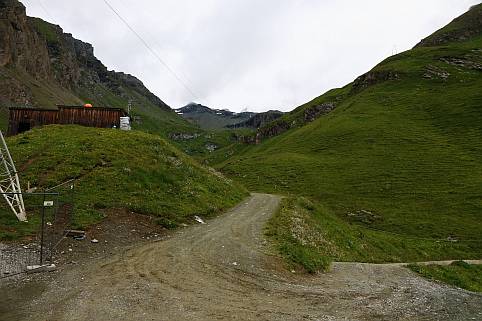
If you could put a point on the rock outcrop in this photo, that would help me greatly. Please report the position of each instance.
(258, 120)
(20, 45)
(274, 129)
(35, 50)
(372, 78)
(313, 112)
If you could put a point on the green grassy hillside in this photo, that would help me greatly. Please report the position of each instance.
(312, 235)
(115, 169)
(459, 274)
(400, 153)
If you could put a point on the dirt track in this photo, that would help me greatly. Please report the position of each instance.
(220, 271)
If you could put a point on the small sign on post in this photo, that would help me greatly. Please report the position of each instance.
(48, 203)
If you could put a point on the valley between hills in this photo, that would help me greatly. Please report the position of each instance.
(362, 204)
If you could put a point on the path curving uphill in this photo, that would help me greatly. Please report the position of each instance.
(220, 271)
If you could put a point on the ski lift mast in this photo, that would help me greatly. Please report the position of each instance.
(9, 182)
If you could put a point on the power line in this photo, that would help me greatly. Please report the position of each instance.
(156, 55)
(42, 7)
(45, 9)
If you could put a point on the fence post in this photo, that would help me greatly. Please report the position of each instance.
(53, 214)
(72, 202)
(42, 227)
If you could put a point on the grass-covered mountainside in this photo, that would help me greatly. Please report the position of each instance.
(116, 169)
(203, 145)
(460, 274)
(391, 160)
(41, 66)
(311, 235)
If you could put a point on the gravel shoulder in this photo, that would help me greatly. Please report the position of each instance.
(223, 270)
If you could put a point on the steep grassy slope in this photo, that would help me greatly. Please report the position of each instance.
(116, 169)
(400, 153)
(461, 29)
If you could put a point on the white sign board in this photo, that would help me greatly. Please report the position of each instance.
(48, 203)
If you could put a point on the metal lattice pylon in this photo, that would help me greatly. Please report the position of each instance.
(9, 182)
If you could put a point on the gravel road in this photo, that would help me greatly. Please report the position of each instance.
(222, 270)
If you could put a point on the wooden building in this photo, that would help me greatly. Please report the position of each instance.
(23, 119)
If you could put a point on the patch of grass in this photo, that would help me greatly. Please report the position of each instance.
(305, 256)
(12, 229)
(460, 274)
(287, 229)
(167, 223)
(197, 147)
(47, 30)
(116, 169)
(309, 234)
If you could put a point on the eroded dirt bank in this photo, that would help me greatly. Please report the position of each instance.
(220, 271)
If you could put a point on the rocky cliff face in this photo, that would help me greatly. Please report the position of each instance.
(35, 53)
(258, 120)
(20, 46)
(21, 49)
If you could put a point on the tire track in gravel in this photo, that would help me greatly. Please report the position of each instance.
(223, 271)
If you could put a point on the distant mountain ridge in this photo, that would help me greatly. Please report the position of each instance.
(210, 118)
(259, 120)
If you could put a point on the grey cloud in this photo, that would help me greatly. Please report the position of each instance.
(249, 53)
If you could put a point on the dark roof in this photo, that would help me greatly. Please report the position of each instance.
(82, 107)
(32, 108)
(65, 107)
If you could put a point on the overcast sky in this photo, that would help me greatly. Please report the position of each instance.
(254, 54)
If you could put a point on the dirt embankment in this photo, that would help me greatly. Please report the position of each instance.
(223, 271)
